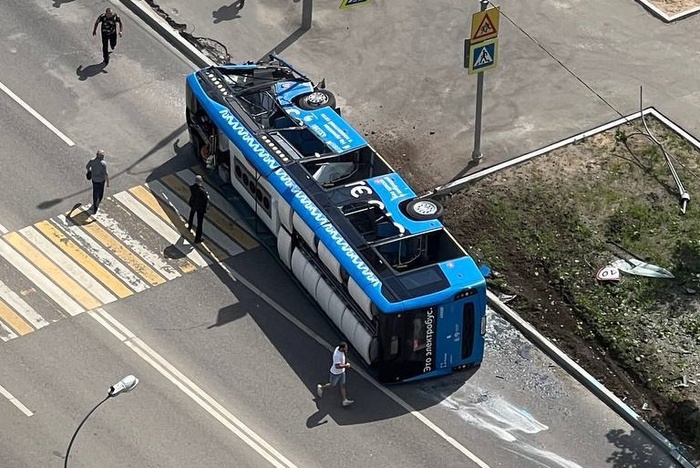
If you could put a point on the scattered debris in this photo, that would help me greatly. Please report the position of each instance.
(645, 407)
(504, 298)
(608, 273)
(636, 267)
(683, 383)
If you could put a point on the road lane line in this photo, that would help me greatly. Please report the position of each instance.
(214, 214)
(36, 115)
(93, 248)
(415, 413)
(50, 269)
(164, 229)
(155, 260)
(102, 274)
(209, 229)
(21, 307)
(68, 265)
(13, 320)
(15, 401)
(3, 230)
(42, 282)
(124, 254)
(189, 388)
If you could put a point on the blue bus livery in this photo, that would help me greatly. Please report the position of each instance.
(374, 256)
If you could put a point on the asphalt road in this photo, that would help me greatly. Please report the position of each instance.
(228, 352)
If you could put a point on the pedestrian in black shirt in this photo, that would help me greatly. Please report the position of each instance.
(199, 199)
(109, 22)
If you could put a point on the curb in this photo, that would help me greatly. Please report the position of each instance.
(164, 30)
(588, 381)
(174, 38)
(662, 15)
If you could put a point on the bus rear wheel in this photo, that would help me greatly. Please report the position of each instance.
(423, 209)
(316, 100)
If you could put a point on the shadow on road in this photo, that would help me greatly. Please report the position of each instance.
(291, 39)
(89, 71)
(228, 12)
(58, 3)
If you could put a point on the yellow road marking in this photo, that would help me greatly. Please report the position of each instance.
(214, 215)
(13, 320)
(167, 214)
(57, 275)
(93, 267)
(130, 258)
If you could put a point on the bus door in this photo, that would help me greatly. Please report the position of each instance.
(455, 336)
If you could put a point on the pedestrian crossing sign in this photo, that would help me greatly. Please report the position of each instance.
(483, 56)
(345, 4)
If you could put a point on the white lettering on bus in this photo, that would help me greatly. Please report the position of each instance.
(429, 331)
(246, 136)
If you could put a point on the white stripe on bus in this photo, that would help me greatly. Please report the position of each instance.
(166, 231)
(153, 259)
(42, 282)
(94, 249)
(68, 265)
(181, 207)
(21, 307)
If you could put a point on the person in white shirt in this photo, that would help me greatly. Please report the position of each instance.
(337, 375)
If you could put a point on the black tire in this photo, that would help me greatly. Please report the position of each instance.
(423, 209)
(316, 100)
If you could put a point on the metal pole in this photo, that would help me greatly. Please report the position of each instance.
(306, 13)
(476, 154)
(72, 439)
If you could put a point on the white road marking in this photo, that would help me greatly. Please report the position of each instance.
(152, 258)
(99, 253)
(68, 265)
(165, 230)
(6, 334)
(21, 307)
(15, 401)
(35, 276)
(36, 115)
(180, 207)
(189, 388)
(3, 230)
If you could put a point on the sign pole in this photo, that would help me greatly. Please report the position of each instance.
(476, 154)
(306, 13)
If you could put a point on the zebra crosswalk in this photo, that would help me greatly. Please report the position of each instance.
(79, 261)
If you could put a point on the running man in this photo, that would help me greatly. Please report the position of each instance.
(109, 22)
(337, 376)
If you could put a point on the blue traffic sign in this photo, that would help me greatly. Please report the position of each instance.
(483, 56)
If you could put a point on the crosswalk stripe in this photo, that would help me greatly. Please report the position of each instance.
(103, 256)
(93, 267)
(208, 229)
(153, 259)
(124, 254)
(21, 307)
(13, 320)
(214, 214)
(165, 230)
(6, 334)
(68, 265)
(35, 276)
(169, 214)
(50, 269)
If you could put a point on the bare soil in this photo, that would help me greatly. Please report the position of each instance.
(676, 6)
(544, 226)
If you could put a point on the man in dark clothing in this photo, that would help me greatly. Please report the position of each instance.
(109, 22)
(199, 199)
(97, 168)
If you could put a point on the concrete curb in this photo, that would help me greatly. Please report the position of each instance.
(661, 14)
(588, 381)
(172, 36)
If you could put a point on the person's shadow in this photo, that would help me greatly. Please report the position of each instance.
(58, 3)
(228, 12)
(91, 70)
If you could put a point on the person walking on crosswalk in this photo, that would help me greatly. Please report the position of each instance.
(97, 172)
(199, 200)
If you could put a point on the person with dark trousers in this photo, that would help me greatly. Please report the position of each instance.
(97, 170)
(109, 22)
(199, 200)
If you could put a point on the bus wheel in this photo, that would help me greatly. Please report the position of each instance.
(316, 100)
(423, 209)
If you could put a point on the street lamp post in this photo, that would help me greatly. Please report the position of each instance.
(123, 386)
